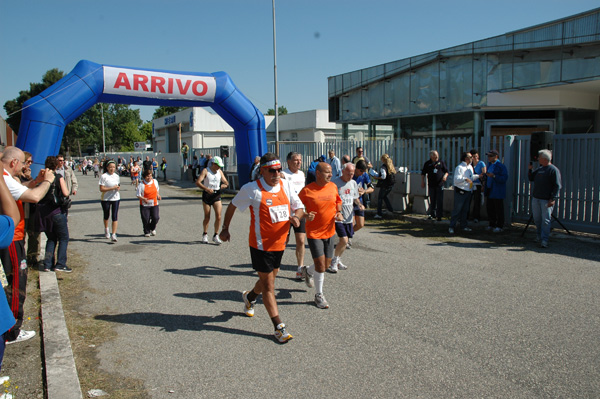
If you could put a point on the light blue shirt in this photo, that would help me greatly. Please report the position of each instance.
(336, 166)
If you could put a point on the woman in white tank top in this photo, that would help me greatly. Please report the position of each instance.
(212, 181)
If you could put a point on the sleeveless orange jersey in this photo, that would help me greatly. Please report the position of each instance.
(150, 192)
(270, 223)
(20, 228)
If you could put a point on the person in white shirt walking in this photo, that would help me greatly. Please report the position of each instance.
(463, 189)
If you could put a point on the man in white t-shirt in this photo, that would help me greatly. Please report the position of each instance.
(295, 176)
(15, 267)
(348, 191)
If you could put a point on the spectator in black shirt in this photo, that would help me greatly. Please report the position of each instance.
(436, 171)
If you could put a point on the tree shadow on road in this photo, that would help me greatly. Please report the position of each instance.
(172, 322)
(512, 237)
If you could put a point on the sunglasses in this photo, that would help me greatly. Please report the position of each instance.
(273, 171)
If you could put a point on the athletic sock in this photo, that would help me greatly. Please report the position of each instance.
(276, 321)
(252, 296)
(318, 277)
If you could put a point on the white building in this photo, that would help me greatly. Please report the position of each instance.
(201, 128)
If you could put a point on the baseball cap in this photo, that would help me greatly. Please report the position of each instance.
(493, 152)
(218, 161)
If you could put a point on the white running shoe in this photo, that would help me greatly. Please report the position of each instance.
(153, 232)
(147, 235)
(204, 238)
(333, 267)
(114, 237)
(107, 234)
(321, 302)
(341, 266)
(248, 306)
(217, 240)
(23, 336)
(281, 333)
(299, 273)
(308, 278)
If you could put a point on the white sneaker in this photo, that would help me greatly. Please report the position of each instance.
(341, 266)
(204, 238)
(114, 237)
(333, 268)
(321, 302)
(308, 278)
(217, 240)
(299, 273)
(248, 306)
(107, 233)
(147, 235)
(153, 232)
(23, 336)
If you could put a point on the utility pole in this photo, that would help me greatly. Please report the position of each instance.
(275, 79)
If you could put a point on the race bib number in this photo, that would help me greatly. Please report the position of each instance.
(279, 213)
(347, 200)
(148, 203)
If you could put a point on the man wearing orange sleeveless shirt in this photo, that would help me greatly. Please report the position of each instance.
(273, 205)
(323, 207)
(14, 257)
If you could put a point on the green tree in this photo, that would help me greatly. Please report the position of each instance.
(122, 125)
(282, 111)
(13, 107)
(164, 111)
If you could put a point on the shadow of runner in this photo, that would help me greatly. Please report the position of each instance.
(236, 296)
(212, 271)
(171, 322)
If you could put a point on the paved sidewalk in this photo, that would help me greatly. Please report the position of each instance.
(418, 313)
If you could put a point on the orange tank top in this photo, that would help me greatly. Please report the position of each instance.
(150, 192)
(270, 222)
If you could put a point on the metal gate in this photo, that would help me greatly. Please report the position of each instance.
(576, 156)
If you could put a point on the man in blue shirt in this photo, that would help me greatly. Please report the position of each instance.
(336, 166)
(497, 175)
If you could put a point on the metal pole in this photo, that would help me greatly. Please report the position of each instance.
(275, 80)
(103, 140)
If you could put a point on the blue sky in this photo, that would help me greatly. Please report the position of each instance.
(315, 39)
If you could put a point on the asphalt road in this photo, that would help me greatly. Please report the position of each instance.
(412, 316)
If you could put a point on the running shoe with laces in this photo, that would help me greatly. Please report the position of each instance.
(308, 278)
(349, 244)
(204, 238)
(340, 265)
(299, 273)
(153, 232)
(23, 336)
(281, 333)
(333, 267)
(107, 234)
(114, 237)
(248, 306)
(321, 302)
(217, 240)
(147, 235)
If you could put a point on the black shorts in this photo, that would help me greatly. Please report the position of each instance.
(320, 247)
(265, 261)
(210, 199)
(344, 229)
(301, 228)
(359, 212)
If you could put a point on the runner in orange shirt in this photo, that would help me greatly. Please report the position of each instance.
(273, 206)
(323, 207)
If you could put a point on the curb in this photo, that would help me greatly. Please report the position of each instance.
(62, 381)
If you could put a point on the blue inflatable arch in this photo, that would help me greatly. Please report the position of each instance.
(45, 116)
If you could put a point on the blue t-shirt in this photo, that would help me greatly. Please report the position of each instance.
(7, 231)
(363, 182)
(478, 169)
